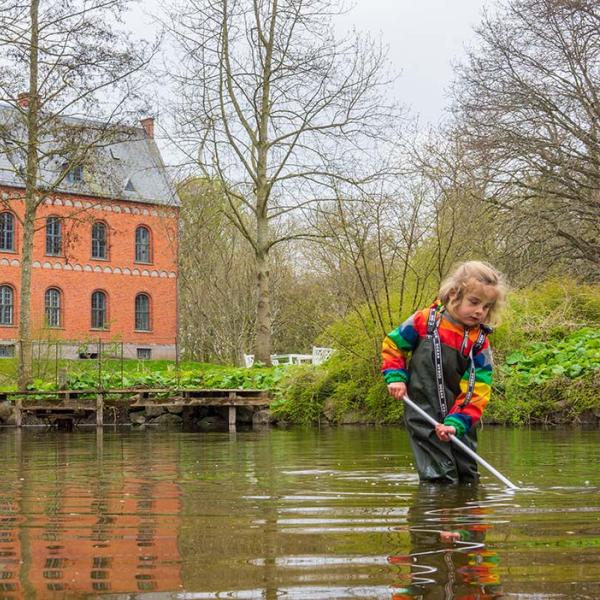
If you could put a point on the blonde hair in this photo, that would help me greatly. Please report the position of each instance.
(458, 283)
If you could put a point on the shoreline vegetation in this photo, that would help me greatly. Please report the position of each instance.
(546, 354)
(547, 369)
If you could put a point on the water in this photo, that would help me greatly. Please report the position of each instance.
(301, 514)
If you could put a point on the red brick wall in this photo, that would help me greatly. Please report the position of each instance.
(78, 275)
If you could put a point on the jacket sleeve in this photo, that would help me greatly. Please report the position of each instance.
(463, 418)
(396, 347)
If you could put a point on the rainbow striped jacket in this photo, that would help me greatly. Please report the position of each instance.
(399, 343)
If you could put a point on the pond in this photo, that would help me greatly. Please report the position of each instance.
(302, 513)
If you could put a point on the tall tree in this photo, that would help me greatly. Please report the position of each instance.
(215, 271)
(62, 64)
(271, 104)
(528, 108)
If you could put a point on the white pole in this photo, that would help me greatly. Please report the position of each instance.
(462, 445)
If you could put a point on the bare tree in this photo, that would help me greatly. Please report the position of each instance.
(271, 105)
(368, 252)
(62, 63)
(527, 105)
(215, 272)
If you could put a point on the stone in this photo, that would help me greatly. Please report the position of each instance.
(212, 422)
(153, 411)
(167, 419)
(262, 417)
(137, 417)
(6, 410)
(175, 410)
(244, 414)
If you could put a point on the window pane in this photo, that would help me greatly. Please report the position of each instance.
(98, 310)
(6, 305)
(75, 175)
(52, 305)
(53, 236)
(7, 351)
(142, 312)
(144, 353)
(142, 245)
(7, 231)
(99, 240)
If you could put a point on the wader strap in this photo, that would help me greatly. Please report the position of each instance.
(432, 331)
(474, 350)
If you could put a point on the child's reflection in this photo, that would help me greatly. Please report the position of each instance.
(448, 558)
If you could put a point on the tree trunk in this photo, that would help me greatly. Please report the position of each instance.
(31, 203)
(262, 351)
(25, 354)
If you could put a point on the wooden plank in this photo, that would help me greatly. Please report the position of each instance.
(202, 402)
(99, 410)
(18, 412)
(58, 409)
(231, 418)
(90, 404)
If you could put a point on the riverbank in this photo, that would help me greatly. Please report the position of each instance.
(547, 369)
(546, 366)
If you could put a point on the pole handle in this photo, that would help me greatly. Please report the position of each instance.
(462, 445)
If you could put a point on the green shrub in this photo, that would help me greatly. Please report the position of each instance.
(546, 355)
(549, 310)
(304, 390)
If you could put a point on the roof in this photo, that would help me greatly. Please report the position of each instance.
(128, 166)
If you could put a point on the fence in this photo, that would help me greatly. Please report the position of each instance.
(318, 356)
(56, 360)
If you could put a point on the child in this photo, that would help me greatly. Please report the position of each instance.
(450, 371)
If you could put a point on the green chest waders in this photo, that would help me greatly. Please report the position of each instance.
(435, 374)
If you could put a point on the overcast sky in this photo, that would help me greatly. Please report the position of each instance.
(424, 38)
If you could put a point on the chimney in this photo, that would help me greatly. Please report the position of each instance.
(148, 125)
(23, 100)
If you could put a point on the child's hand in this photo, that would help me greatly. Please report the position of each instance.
(397, 390)
(449, 537)
(444, 432)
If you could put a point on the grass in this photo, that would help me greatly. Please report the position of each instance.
(89, 374)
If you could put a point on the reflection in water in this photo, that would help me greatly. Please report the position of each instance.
(300, 514)
(106, 531)
(448, 558)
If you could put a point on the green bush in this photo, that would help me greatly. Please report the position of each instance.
(546, 354)
(304, 390)
(552, 381)
(550, 310)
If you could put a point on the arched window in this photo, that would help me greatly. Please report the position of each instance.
(99, 320)
(52, 306)
(99, 249)
(7, 231)
(7, 303)
(142, 312)
(53, 236)
(142, 245)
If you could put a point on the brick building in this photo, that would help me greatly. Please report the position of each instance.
(105, 253)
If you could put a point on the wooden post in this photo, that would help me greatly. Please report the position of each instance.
(99, 409)
(232, 417)
(18, 411)
(232, 411)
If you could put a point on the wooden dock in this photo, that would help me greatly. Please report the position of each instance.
(75, 405)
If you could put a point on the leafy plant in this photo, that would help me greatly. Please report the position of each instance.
(571, 357)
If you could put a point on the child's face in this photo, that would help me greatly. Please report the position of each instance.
(473, 308)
